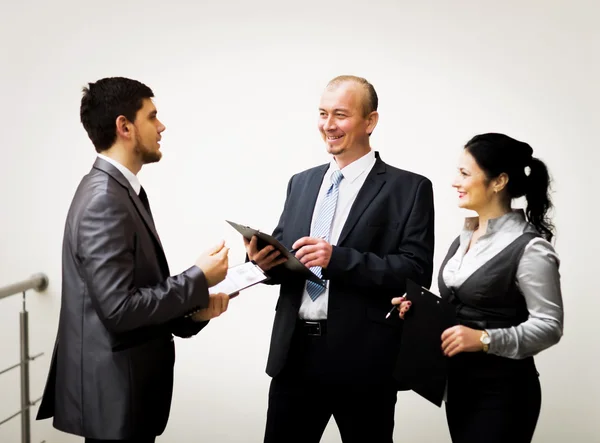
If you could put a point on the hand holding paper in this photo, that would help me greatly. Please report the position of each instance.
(239, 277)
(217, 304)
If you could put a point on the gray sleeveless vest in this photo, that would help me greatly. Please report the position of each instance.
(489, 299)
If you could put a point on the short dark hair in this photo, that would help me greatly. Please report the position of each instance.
(105, 100)
(527, 176)
(371, 100)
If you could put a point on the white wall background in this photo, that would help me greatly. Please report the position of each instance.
(237, 85)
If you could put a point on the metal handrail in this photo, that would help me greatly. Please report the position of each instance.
(39, 282)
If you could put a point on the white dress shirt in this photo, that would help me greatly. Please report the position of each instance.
(130, 176)
(355, 175)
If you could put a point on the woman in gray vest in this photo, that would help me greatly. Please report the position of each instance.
(502, 275)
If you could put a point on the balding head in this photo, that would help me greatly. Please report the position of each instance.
(369, 100)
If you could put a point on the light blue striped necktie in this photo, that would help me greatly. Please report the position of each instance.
(322, 227)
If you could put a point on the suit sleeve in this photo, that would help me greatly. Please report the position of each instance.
(413, 258)
(106, 242)
(279, 273)
(185, 327)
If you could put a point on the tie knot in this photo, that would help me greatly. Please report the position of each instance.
(336, 177)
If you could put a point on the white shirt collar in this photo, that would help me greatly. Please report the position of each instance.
(130, 176)
(354, 169)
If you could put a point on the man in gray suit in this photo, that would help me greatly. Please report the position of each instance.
(111, 375)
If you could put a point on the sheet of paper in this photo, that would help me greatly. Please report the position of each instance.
(239, 277)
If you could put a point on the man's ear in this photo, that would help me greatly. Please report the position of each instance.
(124, 127)
(372, 120)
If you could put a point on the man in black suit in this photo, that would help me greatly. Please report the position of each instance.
(111, 375)
(366, 227)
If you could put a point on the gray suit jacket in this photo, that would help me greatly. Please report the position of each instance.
(111, 375)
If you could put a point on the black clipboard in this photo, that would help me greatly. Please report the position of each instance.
(421, 364)
(292, 264)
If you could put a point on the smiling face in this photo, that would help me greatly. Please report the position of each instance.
(475, 190)
(342, 123)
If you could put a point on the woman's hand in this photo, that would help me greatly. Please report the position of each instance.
(459, 339)
(403, 305)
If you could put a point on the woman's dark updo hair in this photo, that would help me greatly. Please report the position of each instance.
(528, 176)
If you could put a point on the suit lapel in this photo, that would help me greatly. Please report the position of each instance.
(306, 205)
(116, 174)
(375, 180)
(162, 258)
(144, 213)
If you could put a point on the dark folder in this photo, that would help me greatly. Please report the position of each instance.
(421, 364)
(263, 239)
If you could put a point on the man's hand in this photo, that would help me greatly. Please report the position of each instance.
(217, 304)
(313, 252)
(214, 263)
(459, 339)
(267, 258)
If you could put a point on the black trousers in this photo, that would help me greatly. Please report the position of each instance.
(137, 440)
(502, 409)
(303, 398)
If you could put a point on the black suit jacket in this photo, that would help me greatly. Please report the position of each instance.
(111, 374)
(387, 238)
